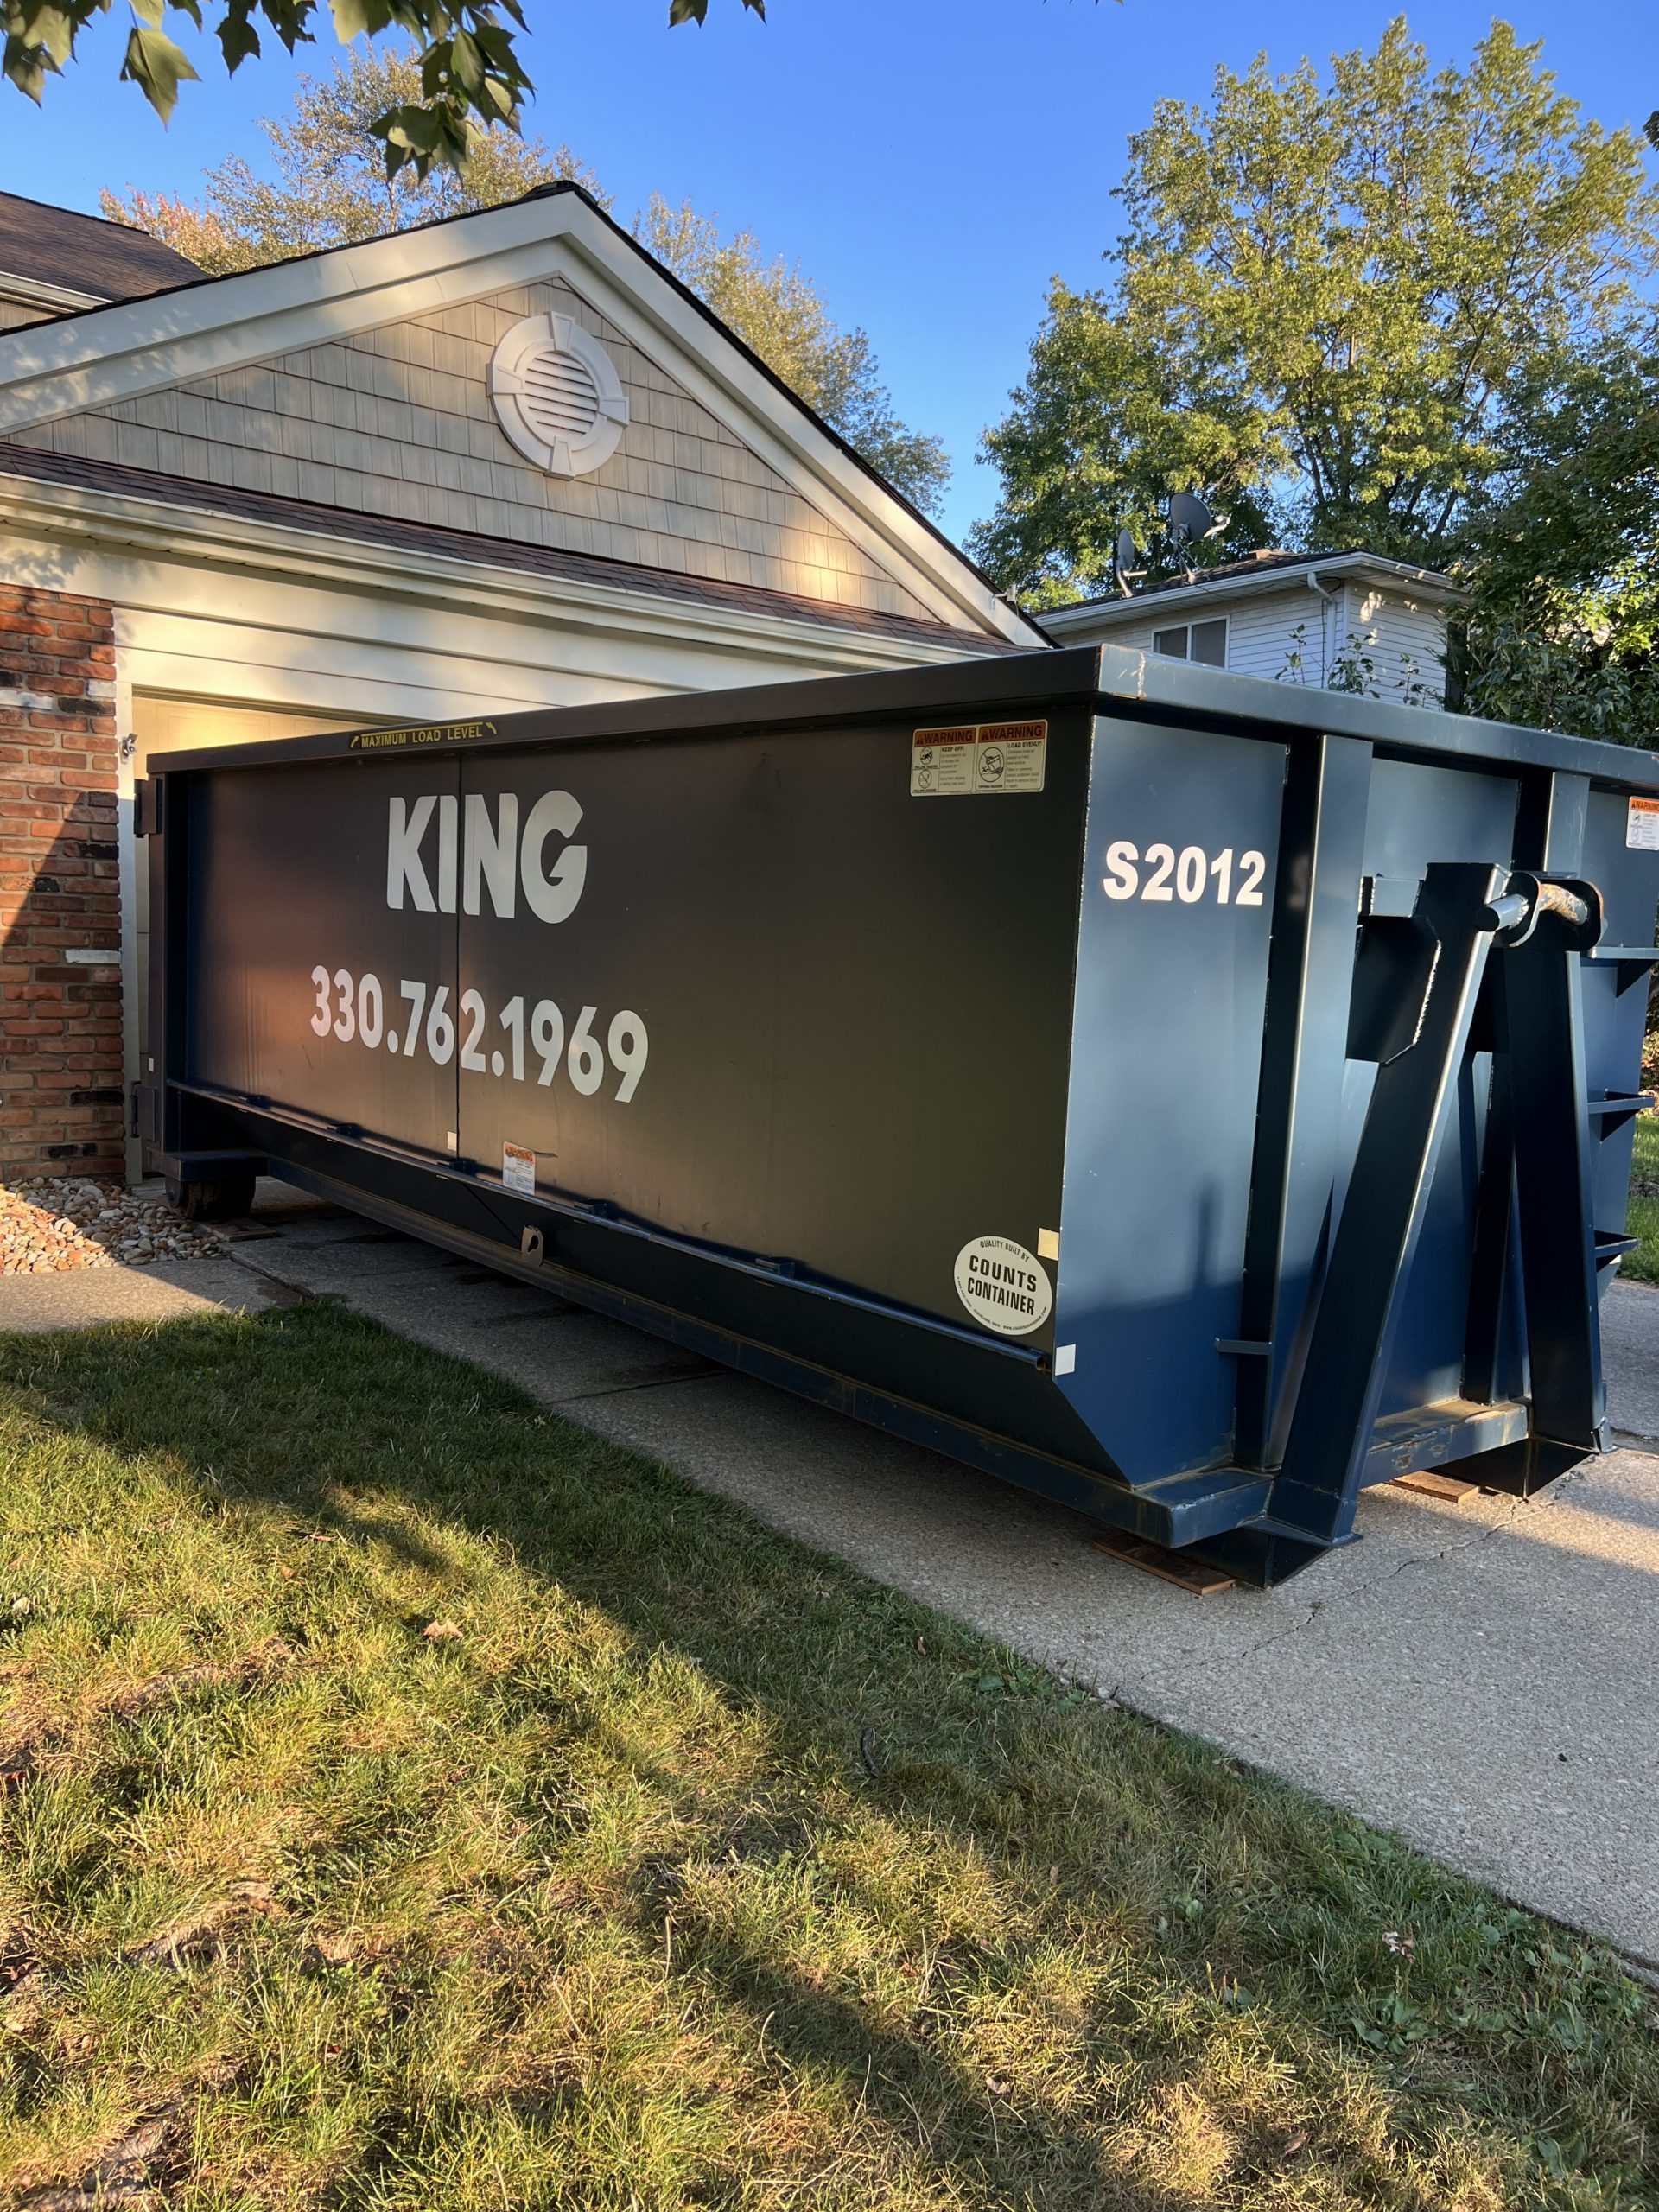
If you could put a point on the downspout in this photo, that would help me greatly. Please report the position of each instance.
(1330, 596)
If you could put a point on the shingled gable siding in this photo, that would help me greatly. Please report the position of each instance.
(398, 421)
(61, 1075)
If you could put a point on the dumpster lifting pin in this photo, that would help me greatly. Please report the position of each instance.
(1511, 914)
(1529, 898)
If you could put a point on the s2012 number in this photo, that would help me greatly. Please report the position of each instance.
(1161, 876)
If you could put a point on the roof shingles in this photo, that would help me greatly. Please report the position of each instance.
(83, 253)
(75, 471)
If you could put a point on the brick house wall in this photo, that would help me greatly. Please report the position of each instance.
(61, 1103)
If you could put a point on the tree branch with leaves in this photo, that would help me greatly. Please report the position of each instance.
(470, 79)
(1563, 550)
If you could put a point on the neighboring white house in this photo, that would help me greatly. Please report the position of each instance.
(1349, 618)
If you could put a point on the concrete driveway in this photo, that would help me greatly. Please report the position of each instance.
(1483, 1678)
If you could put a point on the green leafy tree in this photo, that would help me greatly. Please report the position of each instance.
(331, 189)
(331, 185)
(1563, 551)
(470, 78)
(1326, 293)
(782, 317)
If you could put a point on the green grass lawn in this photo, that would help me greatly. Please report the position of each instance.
(411, 1802)
(1643, 1265)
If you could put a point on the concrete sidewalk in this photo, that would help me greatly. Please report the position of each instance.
(1482, 1678)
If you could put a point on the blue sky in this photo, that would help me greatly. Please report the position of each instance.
(932, 164)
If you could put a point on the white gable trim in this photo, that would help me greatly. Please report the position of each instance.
(51, 299)
(51, 369)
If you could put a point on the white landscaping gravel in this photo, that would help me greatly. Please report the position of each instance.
(52, 1224)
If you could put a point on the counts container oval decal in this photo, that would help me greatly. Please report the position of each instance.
(1003, 1286)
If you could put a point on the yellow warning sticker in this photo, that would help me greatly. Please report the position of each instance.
(978, 758)
(1010, 756)
(942, 762)
(1642, 828)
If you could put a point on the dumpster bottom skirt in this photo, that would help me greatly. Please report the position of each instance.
(1219, 1514)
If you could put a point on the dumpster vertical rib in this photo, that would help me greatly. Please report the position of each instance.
(1549, 831)
(1492, 1257)
(1550, 821)
(1555, 1176)
(1298, 1131)
(1382, 1216)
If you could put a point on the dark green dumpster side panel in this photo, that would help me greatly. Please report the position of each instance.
(857, 1001)
(287, 893)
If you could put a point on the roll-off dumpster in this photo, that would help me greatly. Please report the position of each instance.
(1192, 1097)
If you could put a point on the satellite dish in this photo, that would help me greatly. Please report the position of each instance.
(1125, 575)
(1190, 520)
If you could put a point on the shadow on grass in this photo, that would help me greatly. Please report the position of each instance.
(1095, 1918)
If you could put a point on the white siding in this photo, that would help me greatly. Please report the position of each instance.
(1261, 631)
(1403, 637)
(1264, 636)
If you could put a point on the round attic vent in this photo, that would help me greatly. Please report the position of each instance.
(558, 395)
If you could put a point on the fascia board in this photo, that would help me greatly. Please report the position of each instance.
(56, 299)
(186, 537)
(856, 503)
(48, 370)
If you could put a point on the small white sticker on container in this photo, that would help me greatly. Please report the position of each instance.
(1004, 1287)
(519, 1169)
(1642, 825)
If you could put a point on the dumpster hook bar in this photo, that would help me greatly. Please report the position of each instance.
(1539, 926)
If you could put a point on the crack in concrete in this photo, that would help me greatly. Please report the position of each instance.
(647, 1383)
(1465, 1539)
(1460, 1540)
(1482, 1533)
(1241, 1655)
(1316, 1606)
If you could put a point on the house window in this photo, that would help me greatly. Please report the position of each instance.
(1201, 641)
